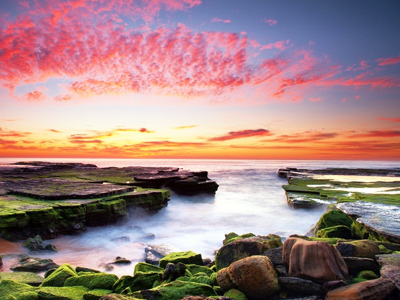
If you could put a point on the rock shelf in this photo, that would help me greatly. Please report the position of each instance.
(50, 199)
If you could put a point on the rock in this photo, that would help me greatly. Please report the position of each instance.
(22, 277)
(232, 236)
(33, 264)
(139, 281)
(93, 281)
(358, 264)
(372, 289)
(62, 293)
(300, 286)
(245, 247)
(194, 269)
(390, 268)
(117, 297)
(122, 239)
(176, 290)
(254, 276)
(327, 263)
(96, 294)
(275, 255)
(188, 257)
(235, 294)
(36, 244)
(10, 288)
(339, 231)
(87, 270)
(59, 276)
(333, 218)
(153, 253)
(121, 261)
(361, 248)
(146, 267)
(364, 275)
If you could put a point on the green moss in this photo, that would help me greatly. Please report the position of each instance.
(22, 277)
(360, 231)
(93, 281)
(179, 289)
(12, 288)
(62, 293)
(364, 276)
(59, 276)
(384, 250)
(334, 218)
(235, 294)
(194, 269)
(139, 281)
(188, 257)
(339, 231)
(145, 267)
(96, 294)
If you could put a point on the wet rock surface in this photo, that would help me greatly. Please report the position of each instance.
(49, 199)
(371, 197)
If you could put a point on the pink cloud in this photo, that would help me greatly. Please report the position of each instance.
(218, 20)
(278, 45)
(240, 134)
(270, 22)
(388, 61)
(315, 99)
(304, 137)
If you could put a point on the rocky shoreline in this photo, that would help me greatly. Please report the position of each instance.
(340, 258)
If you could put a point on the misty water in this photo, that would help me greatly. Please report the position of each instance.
(249, 199)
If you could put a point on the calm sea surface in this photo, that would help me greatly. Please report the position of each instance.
(249, 199)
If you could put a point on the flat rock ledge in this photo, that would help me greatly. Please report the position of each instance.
(49, 199)
(371, 197)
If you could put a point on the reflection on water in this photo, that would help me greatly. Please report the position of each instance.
(249, 199)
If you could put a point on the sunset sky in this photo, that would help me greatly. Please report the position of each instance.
(235, 79)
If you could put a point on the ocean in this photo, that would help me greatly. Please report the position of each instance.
(249, 199)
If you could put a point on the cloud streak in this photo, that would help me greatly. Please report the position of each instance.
(240, 134)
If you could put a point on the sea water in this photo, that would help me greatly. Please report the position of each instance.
(249, 199)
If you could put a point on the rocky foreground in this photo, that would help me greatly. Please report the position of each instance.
(339, 259)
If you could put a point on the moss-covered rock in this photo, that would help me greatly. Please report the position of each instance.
(96, 294)
(365, 248)
(9, 288)
(22, 277)
(235, 294)
(232, 236)
(62, 293)
(364, 275)
(59, 276)
(331, 218)
(199, 278)
(176, 290)
(93, 281)
(194, 269)
(139, 281)
(145, 267)
(245, 247)
(338, 231)
(188, 257)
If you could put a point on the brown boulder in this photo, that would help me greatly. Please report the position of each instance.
(254, 276)
(377, 289)
(314, 260)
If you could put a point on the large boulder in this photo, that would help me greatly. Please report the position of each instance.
(9, 288)
(333, 218)
(245, 247)
(314, 260)
(254, 276)
(22, 277)
(139, 281)
(377, 289)
(59, 276)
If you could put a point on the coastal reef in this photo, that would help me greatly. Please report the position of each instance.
(367, 200)
(49, 199)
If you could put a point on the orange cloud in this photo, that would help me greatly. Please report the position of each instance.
(304, 137)
(388, 61)
(14, 134)
(240, 134)
(397, 120)
(378, 134)
(55, 131)
(186, 127)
